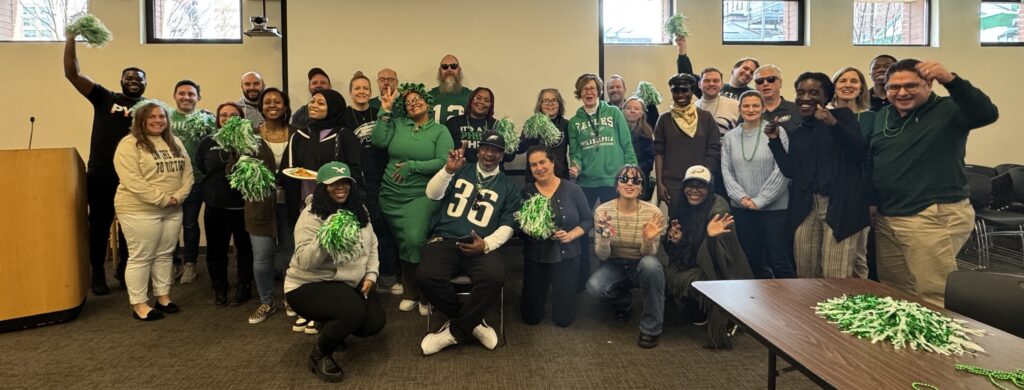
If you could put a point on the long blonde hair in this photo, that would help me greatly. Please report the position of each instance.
(641, 126)
(863, 100)
(138, 129)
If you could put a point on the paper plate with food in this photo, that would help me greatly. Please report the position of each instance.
(300, 173)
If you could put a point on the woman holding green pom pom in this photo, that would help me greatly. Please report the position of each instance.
(553, 261)
(550, 106)
(224, 215)
(335, 266)
(417, 148)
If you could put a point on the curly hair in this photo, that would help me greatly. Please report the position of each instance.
(324, 206)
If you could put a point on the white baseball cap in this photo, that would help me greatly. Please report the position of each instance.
(698, 172)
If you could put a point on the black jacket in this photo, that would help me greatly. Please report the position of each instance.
(216, 163)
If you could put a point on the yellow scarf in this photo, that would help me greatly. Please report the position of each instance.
(686, 118)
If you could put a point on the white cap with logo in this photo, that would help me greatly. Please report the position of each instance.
(698, 172)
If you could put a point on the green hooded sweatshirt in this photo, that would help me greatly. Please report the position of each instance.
(600, 145)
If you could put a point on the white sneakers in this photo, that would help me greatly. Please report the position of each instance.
(424, 310)
(434, 342)
(188, 273)
(486, 334)
(303, 325)
(407, 305)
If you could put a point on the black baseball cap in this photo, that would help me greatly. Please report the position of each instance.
(492, 138)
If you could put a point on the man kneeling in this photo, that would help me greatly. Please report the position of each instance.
(477, 200)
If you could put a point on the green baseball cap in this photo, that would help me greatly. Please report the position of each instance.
(332, 172)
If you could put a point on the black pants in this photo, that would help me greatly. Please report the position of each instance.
(561, 278)
(441, 261)
(221, 226)
(100, 188)
(340, 309)
(766, 242)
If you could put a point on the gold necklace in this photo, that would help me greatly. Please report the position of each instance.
(618, 219)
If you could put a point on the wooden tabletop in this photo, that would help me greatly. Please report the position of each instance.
(780, 313)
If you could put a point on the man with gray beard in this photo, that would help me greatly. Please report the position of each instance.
(450, 96)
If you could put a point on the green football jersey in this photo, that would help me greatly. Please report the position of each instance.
(467, 205)
(450, 104)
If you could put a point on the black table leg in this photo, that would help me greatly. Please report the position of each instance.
(772, 372)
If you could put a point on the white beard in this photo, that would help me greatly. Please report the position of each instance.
(450, 84)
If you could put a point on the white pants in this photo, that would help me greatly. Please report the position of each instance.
(151, 239)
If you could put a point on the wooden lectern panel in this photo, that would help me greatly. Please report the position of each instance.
(44, 246)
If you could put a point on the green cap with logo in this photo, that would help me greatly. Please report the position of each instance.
(332, 172)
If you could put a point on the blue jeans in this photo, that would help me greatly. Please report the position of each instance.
(190, 225)
(614, 279)
(270, 255)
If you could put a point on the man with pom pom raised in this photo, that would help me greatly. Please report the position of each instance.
(110, 122)
(476, 218)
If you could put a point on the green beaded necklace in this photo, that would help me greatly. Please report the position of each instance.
(890, 132)
(743, 145)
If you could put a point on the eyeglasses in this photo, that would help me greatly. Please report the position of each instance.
(761, 80)
(634, 180)
(387, 80)
(909, 87)
(449, 66)
(413, 100)
(589, 89)
(681, 89)
(479, 98)
(695, 187)
(549, 101)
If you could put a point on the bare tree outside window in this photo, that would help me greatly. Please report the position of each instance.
(881, 23)
(38, 20)
(1000, 22)
(195, 20)
(762, 22)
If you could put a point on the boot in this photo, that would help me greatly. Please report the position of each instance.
(99, 283)
(324, 366)
(242, 294)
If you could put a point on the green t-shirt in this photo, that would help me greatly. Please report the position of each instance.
(469, 206)
(190, 137)
(450, 104)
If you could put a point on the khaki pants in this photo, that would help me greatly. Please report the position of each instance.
(816, 252)
(151, 239)
(917, 252)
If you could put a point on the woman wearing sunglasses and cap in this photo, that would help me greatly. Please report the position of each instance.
(334, 290)
(627, 230)
(701, 246)
(684, 136)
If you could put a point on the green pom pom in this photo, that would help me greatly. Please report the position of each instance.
(398, 109)
(540, 126)
(676, 25)
(536, 218)
(339, 236)
(236, 136)
(646, 92)
(253, 179)
(898, 322)
(507, 129)
(195, 126)
(92, 29)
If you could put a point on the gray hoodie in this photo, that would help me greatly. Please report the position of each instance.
(311, 263)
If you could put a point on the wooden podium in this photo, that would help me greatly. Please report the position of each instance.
(44, 246)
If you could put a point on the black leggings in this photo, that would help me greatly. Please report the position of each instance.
(221, 225)
(561, 277)
(340, 308)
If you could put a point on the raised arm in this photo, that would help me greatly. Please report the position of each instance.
(71, 71)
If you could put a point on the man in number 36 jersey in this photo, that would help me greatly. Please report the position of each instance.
(476, 217)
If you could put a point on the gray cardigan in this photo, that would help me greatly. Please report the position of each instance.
(311, 263)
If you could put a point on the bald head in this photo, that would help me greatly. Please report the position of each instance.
(449, 74)
(387, 80)
(252, 86)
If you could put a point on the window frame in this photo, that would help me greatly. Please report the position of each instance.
(669, 42)
(998, 44)
(929, 5)
(149, 9)
(801, 31)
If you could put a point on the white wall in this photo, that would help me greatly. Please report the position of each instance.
(993, 69)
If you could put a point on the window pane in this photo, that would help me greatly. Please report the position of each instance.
(635, 21)
(761, 21)
(38, 20)
(197, 20)
(890, 22)
(1000, 22)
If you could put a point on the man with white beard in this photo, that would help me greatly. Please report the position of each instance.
(450, 96)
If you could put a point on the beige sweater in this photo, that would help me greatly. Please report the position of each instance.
(149, 180)
(627, 241)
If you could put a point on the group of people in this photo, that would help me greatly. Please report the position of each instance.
(756, 186)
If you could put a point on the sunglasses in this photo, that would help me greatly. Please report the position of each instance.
(681, 89)
(634, 180)
(449, 66)
(761, 80)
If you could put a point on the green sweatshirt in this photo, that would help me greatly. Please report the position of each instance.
(191, 141)
(600, 145)
(918, 160)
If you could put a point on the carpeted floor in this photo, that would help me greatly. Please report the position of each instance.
(209, 347)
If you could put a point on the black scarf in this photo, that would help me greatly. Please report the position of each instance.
(335, 110)
(694, 222)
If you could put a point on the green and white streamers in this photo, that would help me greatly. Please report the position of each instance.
(236, 136)
(92, 29)
(536, 218)
(898, 322)
(195, 126)
(253, 179)
(507, 129)
(646, 92)
(676, 25)
(540, 126)
(339, 236)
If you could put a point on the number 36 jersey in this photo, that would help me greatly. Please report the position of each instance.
(473, 202)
